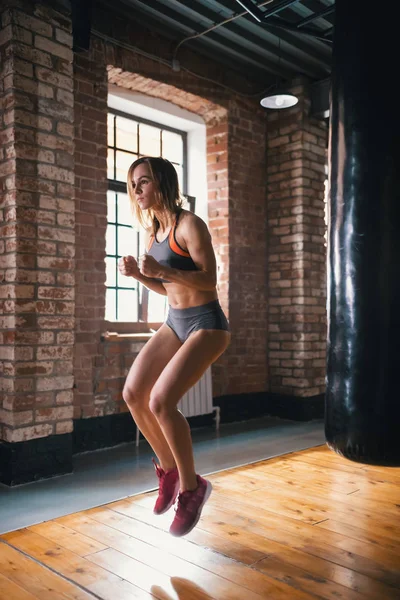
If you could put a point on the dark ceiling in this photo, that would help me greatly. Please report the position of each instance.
(266, 42)
(280, 39)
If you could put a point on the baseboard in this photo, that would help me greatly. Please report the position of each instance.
(102, 432)
(111, 430)
(241, 407)
(31, 460)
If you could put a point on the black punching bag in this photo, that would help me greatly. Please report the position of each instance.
(362, 417)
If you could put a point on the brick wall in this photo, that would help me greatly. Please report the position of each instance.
(296, 251)
(110, 374)
(36, 232)
(90, 81)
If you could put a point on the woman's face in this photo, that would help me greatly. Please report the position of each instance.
(144, 187)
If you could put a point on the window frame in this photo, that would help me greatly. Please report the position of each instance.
(140, 326)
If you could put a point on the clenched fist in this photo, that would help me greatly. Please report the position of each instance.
(128, 266)
(149, 267)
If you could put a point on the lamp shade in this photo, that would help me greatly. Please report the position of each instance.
(279, 99)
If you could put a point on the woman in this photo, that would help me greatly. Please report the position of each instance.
(179, 263)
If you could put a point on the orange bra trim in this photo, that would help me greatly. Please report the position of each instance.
(174, 246)
(172, 242)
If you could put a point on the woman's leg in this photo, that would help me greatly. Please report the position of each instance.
(186, 367)
(144, 372)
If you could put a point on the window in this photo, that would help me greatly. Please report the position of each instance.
(130, 138)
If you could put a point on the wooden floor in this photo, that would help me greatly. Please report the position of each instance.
(305, 525)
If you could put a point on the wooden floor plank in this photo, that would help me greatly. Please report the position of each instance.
(35, 578)
(146, 575)
(329, 502)
(365, 488)
(9, 590)
(251, 530)
(67, 538)
(295, 536)
(341, 463)
(306, 525)
(341, 472)
(159, 551)
(384, 521)
(258, 511)
(229, 548)
(296, 509)
(218, 564)
(77, 569)
(312, 567)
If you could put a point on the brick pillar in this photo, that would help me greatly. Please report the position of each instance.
(91, 224)
(218, 221)
(247, 247)
(37, 243)
(296, 251)
(237, 219)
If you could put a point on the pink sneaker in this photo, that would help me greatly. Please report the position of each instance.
(189, 507)
(167, 490)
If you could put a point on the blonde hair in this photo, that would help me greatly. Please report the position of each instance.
(166, 178)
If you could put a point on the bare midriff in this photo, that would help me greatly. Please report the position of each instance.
(179, 296)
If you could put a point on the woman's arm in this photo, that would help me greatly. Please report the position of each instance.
(195, 236)
(129, 267)
(152, 284)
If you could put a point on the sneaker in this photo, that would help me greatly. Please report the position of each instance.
(168, 489)
(189, 507)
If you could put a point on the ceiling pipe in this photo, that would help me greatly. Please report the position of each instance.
(266, 17)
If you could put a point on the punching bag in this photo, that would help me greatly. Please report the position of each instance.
(362, 408)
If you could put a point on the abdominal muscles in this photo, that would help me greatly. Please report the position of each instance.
(181, 296)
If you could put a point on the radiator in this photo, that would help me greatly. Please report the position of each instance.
(197, 401)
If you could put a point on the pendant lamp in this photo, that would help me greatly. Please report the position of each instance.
(278, 97)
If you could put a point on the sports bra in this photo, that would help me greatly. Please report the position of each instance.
(169, 253)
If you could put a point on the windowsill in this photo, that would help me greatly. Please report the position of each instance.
(113, 336)
(131, 327)
(135, 332)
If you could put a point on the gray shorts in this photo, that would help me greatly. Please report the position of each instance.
(184, 321)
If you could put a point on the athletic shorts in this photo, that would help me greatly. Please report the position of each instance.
(184, 321)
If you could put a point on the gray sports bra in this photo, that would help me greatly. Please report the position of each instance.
(169, 253)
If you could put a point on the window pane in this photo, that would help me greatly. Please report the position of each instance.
(179, 171)
(126, 134)
(111, 206)
(110, 163)
(142, 242)
(122, 235)
(125, 282)
(157, 308)
(127, 305)
(110, 272)
(124, 209)
(189, 203)
(124, 161)
(172, 146)
(110, 240)
(110, 305)
(149, 143)
(127, 241)
(110, 130)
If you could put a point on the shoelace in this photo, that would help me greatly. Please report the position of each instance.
(160, 472)
(183, 503)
